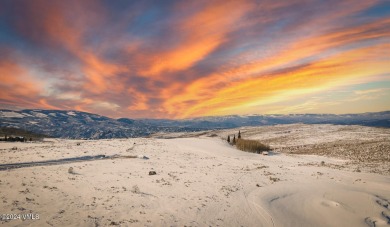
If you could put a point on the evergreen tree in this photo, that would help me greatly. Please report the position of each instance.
(239, 134)
(228, 139)
(234, 139)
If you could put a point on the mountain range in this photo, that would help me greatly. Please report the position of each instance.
(82, 125)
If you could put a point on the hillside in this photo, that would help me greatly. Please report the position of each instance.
(78, 125)
(20, 132)
(198, 182)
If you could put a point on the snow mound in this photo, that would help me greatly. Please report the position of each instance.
(37, 114)
(11, 114)
(71, 113)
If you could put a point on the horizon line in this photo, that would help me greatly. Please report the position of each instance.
(215, 116)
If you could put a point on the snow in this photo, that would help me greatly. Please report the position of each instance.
(71, 113)
(37, 114)
(199, 181)
(11, 114)
(27, 115)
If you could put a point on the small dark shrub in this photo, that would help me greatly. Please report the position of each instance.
(252, 146)
(70, 170)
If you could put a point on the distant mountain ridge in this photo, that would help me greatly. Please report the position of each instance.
(76, 124)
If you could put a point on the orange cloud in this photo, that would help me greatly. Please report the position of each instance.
(200, 34)
(44, 104)
(204, 88)
(325, 74)
(100, 73)
(139, 100)
(17, 85)
(54, 18)
(312, 46)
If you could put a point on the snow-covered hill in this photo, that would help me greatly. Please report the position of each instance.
(76, 124)
(71, 124)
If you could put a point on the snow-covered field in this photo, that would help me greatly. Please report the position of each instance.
(200, 181)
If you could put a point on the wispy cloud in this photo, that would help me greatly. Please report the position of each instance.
(371, 91)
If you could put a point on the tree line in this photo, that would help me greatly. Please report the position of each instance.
(253, 146)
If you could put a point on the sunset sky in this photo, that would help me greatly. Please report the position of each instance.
(181, 59)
